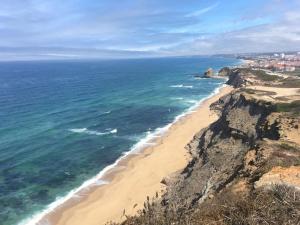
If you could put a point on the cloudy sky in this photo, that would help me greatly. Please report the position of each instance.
(62, 29)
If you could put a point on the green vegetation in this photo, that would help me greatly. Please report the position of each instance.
(283, 154)
(280, 205)
(290, 82)
(293, 107)
(258, 92)
(294, 73)
(282, 159)
(261, 75)
(248, 91)
(288, 147)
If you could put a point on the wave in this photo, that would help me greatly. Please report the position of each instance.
(147, 140)
(181, 86)
(107, 112)
(198, 103)
(184, 100)
(191, 101)
(92, 132)
(179, 98)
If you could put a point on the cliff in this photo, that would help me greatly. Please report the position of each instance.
(219, 151)
(246, 136)
(224, 72)
(245, 167)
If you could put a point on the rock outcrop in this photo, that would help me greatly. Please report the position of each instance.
(208, 73)
(237, 78)
(224, 72)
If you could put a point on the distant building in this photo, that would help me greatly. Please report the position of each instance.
(282, 55)
(290, 68)
(278, 67)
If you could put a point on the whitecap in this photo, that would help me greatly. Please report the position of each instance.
(178, 98)
(181, 86)
(92, 132)
(191, 101)
(114, 131)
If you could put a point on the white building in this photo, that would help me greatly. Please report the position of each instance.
(290, 68)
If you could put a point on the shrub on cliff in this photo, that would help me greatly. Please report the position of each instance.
(281, 205)
(293, 107)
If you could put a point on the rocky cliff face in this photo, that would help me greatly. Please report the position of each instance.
(238, 78)
(224, 72)
(250, 138)
(254, 144)
(219, 151)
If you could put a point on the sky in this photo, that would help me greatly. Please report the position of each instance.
(74, 29)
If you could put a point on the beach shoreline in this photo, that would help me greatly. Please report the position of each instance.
(136, 176)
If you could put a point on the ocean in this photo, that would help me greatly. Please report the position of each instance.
(63, 122)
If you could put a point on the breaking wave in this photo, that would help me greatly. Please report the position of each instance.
(92, 132)
(181, 86)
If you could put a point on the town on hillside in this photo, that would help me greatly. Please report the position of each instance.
(288, 62)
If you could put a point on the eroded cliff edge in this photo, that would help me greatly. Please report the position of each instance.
(245, 167)
(258, 130)
(219, 150)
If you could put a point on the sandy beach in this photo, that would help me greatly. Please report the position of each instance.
(137, 176)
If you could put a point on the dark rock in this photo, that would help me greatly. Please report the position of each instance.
(224, 72)
(197, 76)
(209, 73)
(238, 78)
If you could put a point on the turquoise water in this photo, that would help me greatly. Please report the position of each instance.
(63, 122)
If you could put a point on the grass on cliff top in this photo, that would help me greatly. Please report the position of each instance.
(290, 82)
(261, 75)
(282, 154)
(294, 73)
(280, 205)
(293, 107)
(258, 92)
(289, 147)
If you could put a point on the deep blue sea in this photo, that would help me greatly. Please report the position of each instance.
(63, 122)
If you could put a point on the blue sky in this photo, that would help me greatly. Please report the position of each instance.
(56, 29)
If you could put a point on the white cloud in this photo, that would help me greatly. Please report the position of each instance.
(203, 11)
(281, 35)
(152, 27)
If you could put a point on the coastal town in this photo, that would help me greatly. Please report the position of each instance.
(288, 62)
